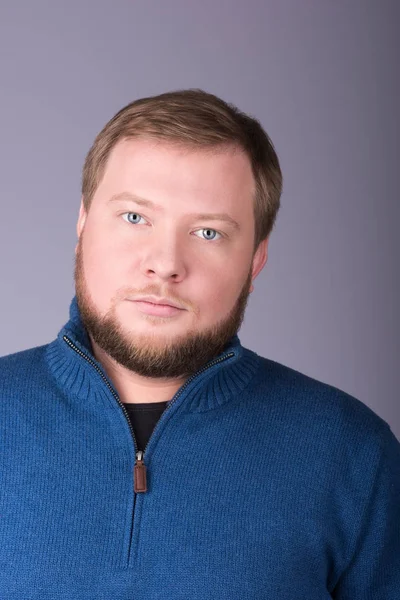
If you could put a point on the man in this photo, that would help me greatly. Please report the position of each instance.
(145, 452)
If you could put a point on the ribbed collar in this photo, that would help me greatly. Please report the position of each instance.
(215, 384)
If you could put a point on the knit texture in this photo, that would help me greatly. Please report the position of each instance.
(263, 483)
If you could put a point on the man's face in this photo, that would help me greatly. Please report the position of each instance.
(174, 224)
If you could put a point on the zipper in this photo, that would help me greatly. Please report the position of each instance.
(104, 378)
(139, 470)
(187, 382)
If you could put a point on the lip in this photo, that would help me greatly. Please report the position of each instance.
(156, 307)
(156, 300)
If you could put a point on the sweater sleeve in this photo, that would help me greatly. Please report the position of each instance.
(374, 570)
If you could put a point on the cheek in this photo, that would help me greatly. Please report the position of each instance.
(219, 291)
(104, 270)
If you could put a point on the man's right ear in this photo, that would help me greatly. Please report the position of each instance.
(81, 221)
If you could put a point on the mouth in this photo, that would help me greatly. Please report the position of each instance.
(155, 300)
(158, 307)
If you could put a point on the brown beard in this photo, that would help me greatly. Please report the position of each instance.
(179, 357)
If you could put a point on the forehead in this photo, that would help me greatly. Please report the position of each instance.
(161, 171)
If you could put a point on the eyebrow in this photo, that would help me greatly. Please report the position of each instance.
(127, 196)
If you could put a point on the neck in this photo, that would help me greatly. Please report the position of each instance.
(133, 388)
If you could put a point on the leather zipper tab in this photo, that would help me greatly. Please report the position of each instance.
(139, 474)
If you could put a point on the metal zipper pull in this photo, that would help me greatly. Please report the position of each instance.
(139, 474)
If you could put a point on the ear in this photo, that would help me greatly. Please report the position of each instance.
(81, 221)
(259, 259)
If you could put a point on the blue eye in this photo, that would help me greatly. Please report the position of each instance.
(209, 234)
(133, 221)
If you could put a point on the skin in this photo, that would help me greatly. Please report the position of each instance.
(126, 250)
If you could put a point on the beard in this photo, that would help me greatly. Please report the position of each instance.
(175, 357)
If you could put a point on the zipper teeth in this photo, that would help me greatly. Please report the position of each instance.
(174, 399)
(188, 381)
(104, 378)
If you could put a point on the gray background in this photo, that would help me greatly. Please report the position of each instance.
(322, 77)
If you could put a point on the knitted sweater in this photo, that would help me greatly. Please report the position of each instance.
(258, 482)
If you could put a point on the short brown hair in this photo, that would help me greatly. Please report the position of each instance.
(193, 118)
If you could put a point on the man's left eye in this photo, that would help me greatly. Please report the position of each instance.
(208, 234)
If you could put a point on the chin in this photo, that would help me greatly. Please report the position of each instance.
(156, 329)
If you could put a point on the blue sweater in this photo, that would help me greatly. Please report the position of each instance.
(262, 483)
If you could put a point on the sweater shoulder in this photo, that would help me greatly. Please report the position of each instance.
(22, 357)
(19, 367)
(313, 402)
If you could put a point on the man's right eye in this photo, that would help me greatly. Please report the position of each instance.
(132, 217)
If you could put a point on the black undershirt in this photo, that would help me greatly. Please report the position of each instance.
(144, 417)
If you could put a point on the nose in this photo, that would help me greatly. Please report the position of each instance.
(163, 258)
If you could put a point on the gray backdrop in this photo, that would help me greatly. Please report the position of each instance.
(323, 79)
